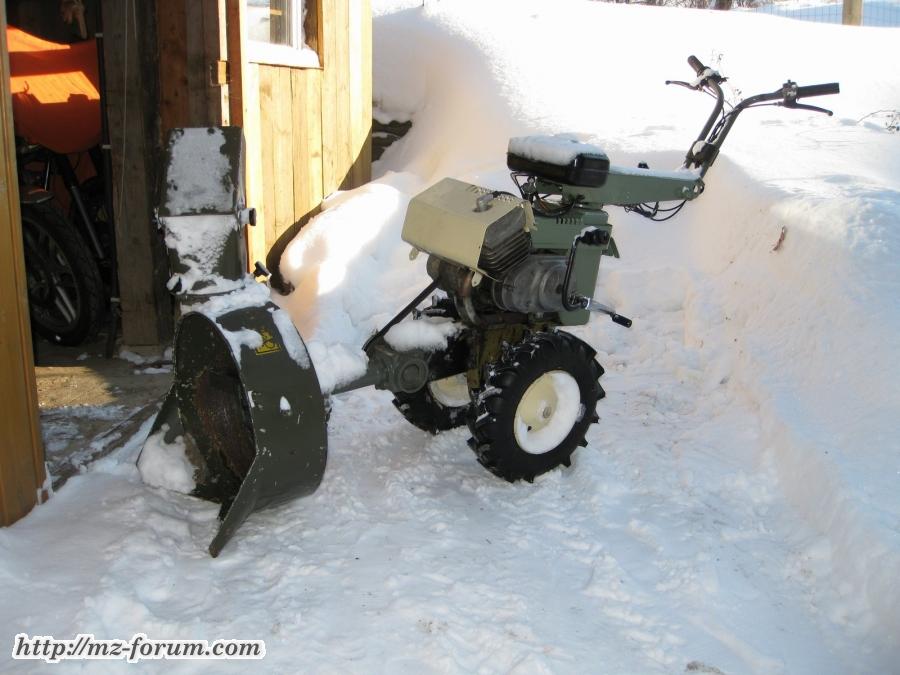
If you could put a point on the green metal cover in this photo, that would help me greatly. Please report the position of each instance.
(252, 413)
(201, 210)
(625, 185)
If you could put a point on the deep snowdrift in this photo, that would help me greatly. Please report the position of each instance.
(737, 506)
(807, 333)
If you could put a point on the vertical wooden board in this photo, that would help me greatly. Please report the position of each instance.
(313, 109)
(267, 156)
(214, 51)
(282, 150)
(174, 88)
(21, 450)
(326, 47)
(343, 133)
(196, 33)
(301, 149)
(331, 66)
(132, 99)
(307, 123)
(236, 51)
(254, 175)
(360, 73)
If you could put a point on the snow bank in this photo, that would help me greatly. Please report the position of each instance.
(166, 465)
(351, 274)
(804, 344)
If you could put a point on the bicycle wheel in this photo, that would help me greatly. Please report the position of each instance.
(65, 291)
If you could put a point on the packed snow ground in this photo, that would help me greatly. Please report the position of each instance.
(737, 506)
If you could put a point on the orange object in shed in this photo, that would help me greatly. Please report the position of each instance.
(55, 91)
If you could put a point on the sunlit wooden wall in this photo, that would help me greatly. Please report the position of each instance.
(308, 130)
(21, 451)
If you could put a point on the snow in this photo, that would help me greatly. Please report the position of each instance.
(166, 465)
(292, 340)
(250, 294)
(199, 240)
(198, 177)
(131, 357)
(153, 370)
(558, 149)
(429, 334)
(243, 337)
(351, 273)
(736, 508)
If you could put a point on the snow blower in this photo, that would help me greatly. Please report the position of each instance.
(509, 271)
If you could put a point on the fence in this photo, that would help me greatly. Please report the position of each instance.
(874, 12)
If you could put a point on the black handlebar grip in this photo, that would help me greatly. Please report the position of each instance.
(621, 320)
(694, 63)
(819, 90)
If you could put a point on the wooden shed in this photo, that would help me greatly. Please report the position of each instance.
(294, 74)
(307, 123)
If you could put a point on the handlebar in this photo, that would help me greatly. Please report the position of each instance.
(789, 90)
(705, 149)
(819, 90)
(694, 63)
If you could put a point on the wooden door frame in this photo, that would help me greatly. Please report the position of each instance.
(22, 471)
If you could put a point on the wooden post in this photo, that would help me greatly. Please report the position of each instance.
(193, 69)
(132, 102)
(853, 12)
(21, 450)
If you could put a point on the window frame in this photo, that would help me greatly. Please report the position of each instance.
(296, 54)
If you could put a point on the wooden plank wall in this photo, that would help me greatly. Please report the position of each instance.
(132, 91)
(192, 41)
(308, 130)
(21, 450)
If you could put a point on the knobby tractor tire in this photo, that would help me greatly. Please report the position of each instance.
(424, 410)
(65, 291)
(535, 382)
(435, 408)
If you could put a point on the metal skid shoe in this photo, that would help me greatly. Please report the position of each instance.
(246, 401)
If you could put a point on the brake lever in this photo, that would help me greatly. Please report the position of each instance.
(805, 106)
(686, 85)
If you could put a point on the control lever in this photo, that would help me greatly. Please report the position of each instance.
(593, 306)
(793, 105)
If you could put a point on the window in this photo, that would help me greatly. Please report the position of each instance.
(277, 32)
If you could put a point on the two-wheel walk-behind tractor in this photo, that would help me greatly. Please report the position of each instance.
(509, 270)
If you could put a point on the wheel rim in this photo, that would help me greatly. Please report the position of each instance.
(450, 392)
(52, 286)
(547, 412)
